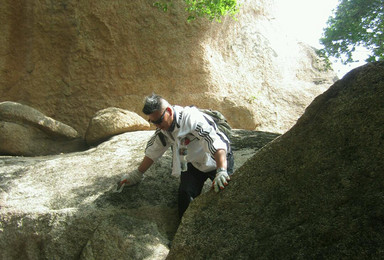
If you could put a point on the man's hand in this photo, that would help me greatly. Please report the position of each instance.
(129, 179)
(221, 179)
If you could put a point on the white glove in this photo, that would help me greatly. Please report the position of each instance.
(129, 179)
(221, 179)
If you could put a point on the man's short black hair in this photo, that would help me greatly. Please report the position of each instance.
(152, 104)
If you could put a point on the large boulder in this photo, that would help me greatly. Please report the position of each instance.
(26, 131)
(113, 121)
(64, 206)
(316, 192)
(72, 59)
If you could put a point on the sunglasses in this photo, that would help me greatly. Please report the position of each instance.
(160, 120)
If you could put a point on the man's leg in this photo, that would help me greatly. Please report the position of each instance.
(191, 184)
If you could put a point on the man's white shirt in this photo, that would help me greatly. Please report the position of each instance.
(204, 136)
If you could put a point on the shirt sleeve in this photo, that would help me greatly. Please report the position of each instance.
(157, 145)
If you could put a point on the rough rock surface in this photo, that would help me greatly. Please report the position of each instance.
(26, 131)
(71, 59)
(63, 206)
(113, 121)
(315, 192)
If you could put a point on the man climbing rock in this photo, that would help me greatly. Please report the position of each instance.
(200, 149)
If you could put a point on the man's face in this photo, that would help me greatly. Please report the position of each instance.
(162, 118)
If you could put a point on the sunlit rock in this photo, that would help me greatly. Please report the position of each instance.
(65, 207)
(28, 132)
(113, 121)
(71, 60)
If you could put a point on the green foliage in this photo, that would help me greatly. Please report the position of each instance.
(325, 59)
(211, 9)
(355, 23)
(163, 5)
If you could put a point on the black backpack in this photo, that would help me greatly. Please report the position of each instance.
(220, 121)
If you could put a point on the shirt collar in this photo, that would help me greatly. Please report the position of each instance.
(174, 123)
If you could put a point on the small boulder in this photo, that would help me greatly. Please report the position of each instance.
(113, 121)
(26, 131)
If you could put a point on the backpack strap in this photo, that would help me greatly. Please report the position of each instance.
(162, 138)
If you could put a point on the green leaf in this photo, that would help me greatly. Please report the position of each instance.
(355, 23)
(211, 9)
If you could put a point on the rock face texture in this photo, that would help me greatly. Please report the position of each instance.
(71, 59)
(26, 131)
(64, 207)
(315, 192)
(113, 121)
